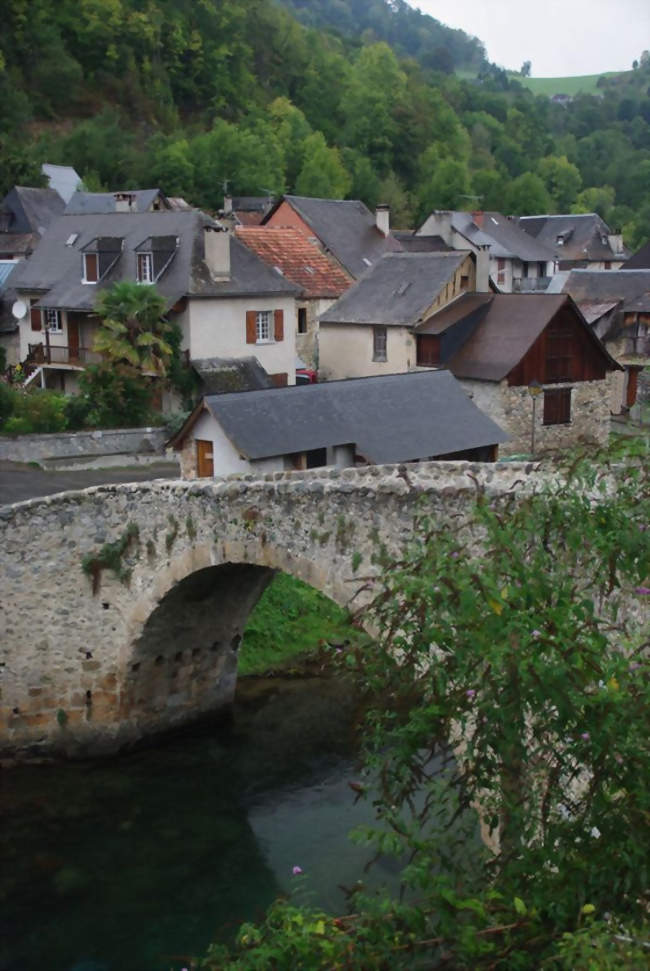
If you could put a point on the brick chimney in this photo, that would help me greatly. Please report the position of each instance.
(478, 218)
(382, 219)
(216, 243)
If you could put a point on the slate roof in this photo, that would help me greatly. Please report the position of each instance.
(610, 286)
(299, 260)
(84, 203)
(640, 260)
(505, 238)
(392, 418)
(508, 324)
(62, 178)
(411, 243)
(55, 268)
(32, 210)
(345, 227)
(583, 236)
(221, 375)
(397, 291)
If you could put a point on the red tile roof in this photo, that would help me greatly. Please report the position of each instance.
(300, 261)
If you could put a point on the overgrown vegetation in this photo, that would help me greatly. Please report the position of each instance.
(110, 557)
(134, 95)
(290, 622)
(533, 663)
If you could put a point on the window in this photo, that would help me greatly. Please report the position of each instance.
(90, 268)
(379, 344)
(302, 320)
(145, 268)
(263, 326)
(557, 406)
(53, 321)
(501, 270)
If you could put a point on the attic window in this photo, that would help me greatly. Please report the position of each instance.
(278, 269)
(145, 268)
(560, 240)
(72, 238)
(403, 288)
(90, 268)
(153, 256)
(495, 221)
(310, 269)
(367, 261)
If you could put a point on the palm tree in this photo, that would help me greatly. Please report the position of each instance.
(132, 331)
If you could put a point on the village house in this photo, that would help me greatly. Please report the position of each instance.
(370, 330)
(517, 263)
(393, 418)
(616, 304)
(344, 229)
(128, 200)
(321, 279)
(226, 301)
(529, 361)
(577, 240)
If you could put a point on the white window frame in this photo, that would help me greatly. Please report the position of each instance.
(145, 259)
(264, 324)
(53, 322)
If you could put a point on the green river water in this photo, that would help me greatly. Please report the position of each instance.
(135, 864)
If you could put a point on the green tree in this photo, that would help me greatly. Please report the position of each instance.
(133, 333)
(562, 180)
(375, 86)
(323, 174)
(527, 196)
(595, 199)
(446, 188)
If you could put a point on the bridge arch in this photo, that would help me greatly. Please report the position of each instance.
(99, 618)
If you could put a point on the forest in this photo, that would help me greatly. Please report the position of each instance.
(374, 101)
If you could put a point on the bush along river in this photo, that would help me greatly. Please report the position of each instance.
(137, 863)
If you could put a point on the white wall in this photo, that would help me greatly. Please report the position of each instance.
(225, 457)
(217, 328)
(345, 351)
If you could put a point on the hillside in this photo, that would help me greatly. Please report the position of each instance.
(186, 96)
(586, 84)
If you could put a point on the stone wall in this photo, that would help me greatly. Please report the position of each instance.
(512, 409)
(142, 443)
(92, 662)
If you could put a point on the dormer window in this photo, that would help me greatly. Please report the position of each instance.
(560, 240)
(153, 256)
(99, 257)
(145, 268)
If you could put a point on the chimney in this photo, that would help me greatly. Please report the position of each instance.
(478, 218)
(216, 243)
(382, 219)
(483, 269)
(227, 205)
(124, 201)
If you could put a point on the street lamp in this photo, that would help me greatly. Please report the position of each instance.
(534, 390)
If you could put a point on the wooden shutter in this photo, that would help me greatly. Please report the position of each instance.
(90, 267)
(279, 380)
(428, 350)
(278, 319)
(632, 386)
(36, 318)
(251, 327)
(557, 406)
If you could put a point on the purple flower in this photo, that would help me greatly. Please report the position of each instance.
(585, 736)
(643, 591)
(470, 693)
(536, 633)
(634, 666)
(455, 555)
(297, 870)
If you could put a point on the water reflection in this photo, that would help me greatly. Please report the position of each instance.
(137, 864)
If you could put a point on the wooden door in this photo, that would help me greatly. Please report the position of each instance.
(204, 459)
(73, 338)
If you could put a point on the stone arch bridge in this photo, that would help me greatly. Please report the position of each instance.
(122, 608)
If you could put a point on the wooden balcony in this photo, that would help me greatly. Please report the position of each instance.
(55, 354)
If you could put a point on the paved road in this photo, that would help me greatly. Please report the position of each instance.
(19, 482)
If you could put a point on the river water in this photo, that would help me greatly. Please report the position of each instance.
(137, 863)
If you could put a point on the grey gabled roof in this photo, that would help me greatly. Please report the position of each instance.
(393, 418)
(62, 178)
(505, 238)
(55, 268)
(87, 203)
(640, 260)
(32, 209)
(602, 286)
(398, 290)
(345, 227)
(220, 375)
(582, 233)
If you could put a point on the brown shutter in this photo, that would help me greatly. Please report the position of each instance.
(36, 318)
(278, 317)
(279, 380)
(91, 267)
(251, 327)
(632, 386)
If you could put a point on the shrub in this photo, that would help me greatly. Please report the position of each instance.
(35, 412)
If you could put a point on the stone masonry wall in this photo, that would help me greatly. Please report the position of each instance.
(35, 448)
(91, 664)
